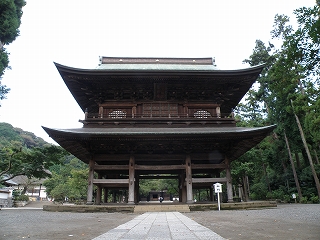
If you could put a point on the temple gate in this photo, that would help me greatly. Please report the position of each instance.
(166, 117)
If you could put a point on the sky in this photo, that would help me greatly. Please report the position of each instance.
(76, 32)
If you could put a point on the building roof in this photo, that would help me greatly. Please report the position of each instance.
(110, 81)
(151, 131)
(163, 64)
(233, 141)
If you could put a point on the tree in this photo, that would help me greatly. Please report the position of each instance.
(291, 74)
(68, 179)
(295, 74)
(10, 20)
(33, 162)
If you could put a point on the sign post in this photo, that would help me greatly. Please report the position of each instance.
(218, 190)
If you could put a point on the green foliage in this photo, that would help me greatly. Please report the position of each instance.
(4, 62)
(10, 20)
(8, 134)
(201, 195)
(314, 199)
(32, 162)
(307, 181)
(304, 200)
(18, 196)
(16, 138)
(22, 198)
(68, 179)
(147, 185)
(16, 193)
(259, 191)
(291, 74)
(23, 153)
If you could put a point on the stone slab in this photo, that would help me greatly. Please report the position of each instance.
(160, 225)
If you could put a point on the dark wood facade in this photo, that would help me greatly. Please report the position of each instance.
(155, 116)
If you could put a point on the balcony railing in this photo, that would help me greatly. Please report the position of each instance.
(155, 116)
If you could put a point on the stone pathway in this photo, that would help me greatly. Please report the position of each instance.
(162, 226)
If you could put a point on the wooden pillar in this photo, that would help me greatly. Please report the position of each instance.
(99, 192)
(211, 194)
(114, 199)
(189, 179)
(136, 189)
(134, 111)
(218, 112)
(181, 177)
(86, 114)
(90, 182)
(101, 112)
(105, 195)
(229, 180)
(131, 180)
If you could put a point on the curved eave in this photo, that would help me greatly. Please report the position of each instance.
(88, 85)
(103, 72)
(76, 141)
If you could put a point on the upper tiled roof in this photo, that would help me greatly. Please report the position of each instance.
(164, 67)
(118, 63)
(182, 76)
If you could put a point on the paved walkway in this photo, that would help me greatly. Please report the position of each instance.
(160, 225)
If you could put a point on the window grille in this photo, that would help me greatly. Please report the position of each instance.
(202, 114)
(117, 114)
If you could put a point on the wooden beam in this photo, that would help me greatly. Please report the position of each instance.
(110, 181)
(159, 177)
(111, 167)
(206, 166)
(159, 167)
(111, 157)
(151, 157)
(208, 180)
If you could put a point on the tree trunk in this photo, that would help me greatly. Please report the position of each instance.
(245, 190)
(284, 166)
(293, 167)
(316, 179)
(266, 174)
(297, 160)
(316, 156)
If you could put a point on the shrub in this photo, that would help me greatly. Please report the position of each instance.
(314, 199)
(269, 195)
(16, 193)
(259, 191)
(22, 198)
(304, 200)
(286, 198)
(278, 194)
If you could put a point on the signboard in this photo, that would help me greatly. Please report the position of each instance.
(217, 187)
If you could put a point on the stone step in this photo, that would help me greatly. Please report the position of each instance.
(161, 208)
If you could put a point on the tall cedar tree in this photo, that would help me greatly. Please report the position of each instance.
(10, 20)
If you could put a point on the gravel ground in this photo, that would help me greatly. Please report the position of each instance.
(288, 221)
(295, 221)
(38, 224)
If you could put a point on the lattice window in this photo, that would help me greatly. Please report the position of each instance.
(117, 114)
(202, 114)
(160, 109)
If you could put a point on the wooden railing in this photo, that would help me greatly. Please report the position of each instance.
(150, 116)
